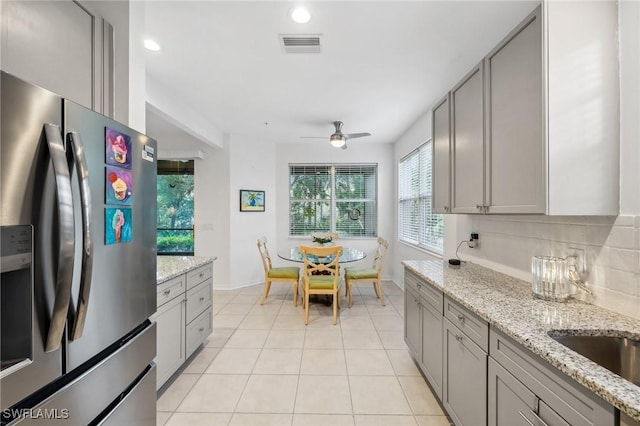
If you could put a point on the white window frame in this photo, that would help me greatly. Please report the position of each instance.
(418, 231)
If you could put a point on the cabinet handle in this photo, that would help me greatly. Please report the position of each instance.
(201, 274)
(479, 207)
(202, 329)
(201, 298)
(419, 286)
(446, 208)
(525, 418)
(167, 292)
(538, 419)
(458, 338)
(461, 318)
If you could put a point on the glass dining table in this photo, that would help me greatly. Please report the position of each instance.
(349, 254)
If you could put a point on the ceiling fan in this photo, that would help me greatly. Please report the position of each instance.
(339, 139)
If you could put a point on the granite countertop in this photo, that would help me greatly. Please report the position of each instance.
(172, 266)
(507, 304)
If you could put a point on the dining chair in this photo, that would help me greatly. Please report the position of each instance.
(321, 275)
(373, 274)
(288, 274)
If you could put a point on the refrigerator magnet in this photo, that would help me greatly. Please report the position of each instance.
(117, 225)
(117, 148)
(118, 186)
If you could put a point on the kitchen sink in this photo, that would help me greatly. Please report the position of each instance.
(619, 355)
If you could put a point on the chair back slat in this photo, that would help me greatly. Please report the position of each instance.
(381, 251)
(264, 254)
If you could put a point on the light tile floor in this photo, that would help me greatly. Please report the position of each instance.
(263, 366)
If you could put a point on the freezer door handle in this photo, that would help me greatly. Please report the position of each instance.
(67, 235)
(87, 245)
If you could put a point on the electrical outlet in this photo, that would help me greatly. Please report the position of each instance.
(473, 240)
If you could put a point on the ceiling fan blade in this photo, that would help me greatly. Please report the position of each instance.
(344, 146)
(356, 135)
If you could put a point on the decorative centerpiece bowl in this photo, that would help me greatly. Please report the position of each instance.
(322, 240)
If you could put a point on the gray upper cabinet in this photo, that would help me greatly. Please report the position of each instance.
(467, 99)
(515, 155)
(441, 169)
(535, 127)
(61, 46)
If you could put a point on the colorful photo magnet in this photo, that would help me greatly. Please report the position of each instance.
(118, 148)
(117, 225)
(118, 186)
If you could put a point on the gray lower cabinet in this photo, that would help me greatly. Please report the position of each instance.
(412, 335)
(423, 328)
(431, 359)
(184, 318)
(483, 377)
(547, 397)
(171, 338)
(464, 384)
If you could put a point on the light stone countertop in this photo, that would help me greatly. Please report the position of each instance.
(508, 305)
(172, 266)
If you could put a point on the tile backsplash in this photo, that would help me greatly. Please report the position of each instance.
(611, 251)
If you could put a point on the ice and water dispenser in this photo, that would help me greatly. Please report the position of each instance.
(16, 297)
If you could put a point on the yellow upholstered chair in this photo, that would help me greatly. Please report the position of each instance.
(321, 276)
(290, 274)
(357, 275)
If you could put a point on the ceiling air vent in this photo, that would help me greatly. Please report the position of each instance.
(300, 43)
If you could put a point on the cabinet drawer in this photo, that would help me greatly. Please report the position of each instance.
(572, 402)
(199, 275)
(469, 323)
(199, 330)
(429, 293)
(171, 289)
(198, 299)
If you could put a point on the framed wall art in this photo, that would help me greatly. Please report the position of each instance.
(251, 200)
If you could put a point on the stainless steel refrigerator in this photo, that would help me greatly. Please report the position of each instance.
(78, 264)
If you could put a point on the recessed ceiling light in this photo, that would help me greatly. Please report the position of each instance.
(300, 15)
(151, 45)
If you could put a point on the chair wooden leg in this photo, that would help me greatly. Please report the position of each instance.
(306, 308)
(335, 307)
(347, 284)
(295, 294)
(265, 293)
(375, 289)
(380, 293)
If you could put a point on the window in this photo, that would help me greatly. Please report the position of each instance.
(333, 198)
(417, 226)
(175, 187)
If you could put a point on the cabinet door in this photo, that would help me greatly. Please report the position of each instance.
(432, 345)
(467, 105)
(441, 167)
(515, 148)
(170, 320)
(464, 381)
(412, 321)
(509, 401)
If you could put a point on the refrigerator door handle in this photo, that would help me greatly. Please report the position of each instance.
(87, 245)
(67, 236)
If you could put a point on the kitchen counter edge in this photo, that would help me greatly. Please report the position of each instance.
(507, 304)
(173, 266)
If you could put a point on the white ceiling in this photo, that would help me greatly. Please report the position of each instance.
(383, 64)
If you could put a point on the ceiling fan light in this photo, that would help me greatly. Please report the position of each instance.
(337, 140)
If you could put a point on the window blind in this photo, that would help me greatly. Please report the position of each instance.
(417, 225)
(340, 198)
